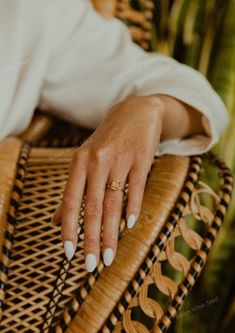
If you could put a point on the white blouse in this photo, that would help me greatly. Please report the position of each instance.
(63, 57)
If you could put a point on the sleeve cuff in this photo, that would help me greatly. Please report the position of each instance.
(195, 144)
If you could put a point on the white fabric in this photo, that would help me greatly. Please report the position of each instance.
(63, 57)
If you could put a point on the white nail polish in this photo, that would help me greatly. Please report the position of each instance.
(131, 221)
(69, 250)
(108, 256)
(90, 262)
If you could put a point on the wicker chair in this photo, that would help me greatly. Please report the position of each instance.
(40, 291)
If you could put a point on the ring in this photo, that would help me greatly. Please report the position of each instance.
(115, 185)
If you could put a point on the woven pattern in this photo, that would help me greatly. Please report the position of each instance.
(40, 291)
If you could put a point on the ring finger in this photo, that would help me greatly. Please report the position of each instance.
(112, 210)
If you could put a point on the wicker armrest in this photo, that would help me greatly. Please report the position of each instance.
(41, 291)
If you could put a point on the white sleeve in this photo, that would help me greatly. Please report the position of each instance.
(77, 65)
(97, 65)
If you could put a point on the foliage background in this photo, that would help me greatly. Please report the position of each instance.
(201, 33)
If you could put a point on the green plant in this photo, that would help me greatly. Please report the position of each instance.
(201, 33)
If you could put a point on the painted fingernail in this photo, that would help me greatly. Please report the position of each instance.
(90, 262)
(131, 221)
(69, 250)
(108, 256)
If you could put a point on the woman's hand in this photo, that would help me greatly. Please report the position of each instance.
(121, 148)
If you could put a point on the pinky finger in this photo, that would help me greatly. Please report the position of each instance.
(137, 180)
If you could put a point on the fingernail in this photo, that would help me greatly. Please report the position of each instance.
(90, 262)
(131, 221)
(108, 256)
(69, 250)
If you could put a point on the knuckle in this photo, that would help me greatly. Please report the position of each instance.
(69, 202)
(93, 209)
(65, 235)
(91, 241)
(80, 156)
(103, 154)
(110, 238)
(111, 205)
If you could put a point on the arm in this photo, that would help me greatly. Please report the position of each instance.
(140, 105)
(179, 120)
(85, 69)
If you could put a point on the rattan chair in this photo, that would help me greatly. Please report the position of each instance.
(40, 291)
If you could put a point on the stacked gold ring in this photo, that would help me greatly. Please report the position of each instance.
(115, 185)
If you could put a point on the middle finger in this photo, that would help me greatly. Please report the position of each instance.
(96, 181)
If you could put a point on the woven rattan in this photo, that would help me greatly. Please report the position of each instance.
(42, 292)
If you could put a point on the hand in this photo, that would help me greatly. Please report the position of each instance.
(122, 148)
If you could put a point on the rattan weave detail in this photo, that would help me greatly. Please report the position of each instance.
(197, 239)
(42, 292)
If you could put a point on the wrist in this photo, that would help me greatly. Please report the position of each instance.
(159, 104)
(154, 103)
(179, 120)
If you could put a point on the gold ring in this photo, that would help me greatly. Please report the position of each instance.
(115, 185)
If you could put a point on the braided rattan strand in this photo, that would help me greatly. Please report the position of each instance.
(201, 256)
(155, 306)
